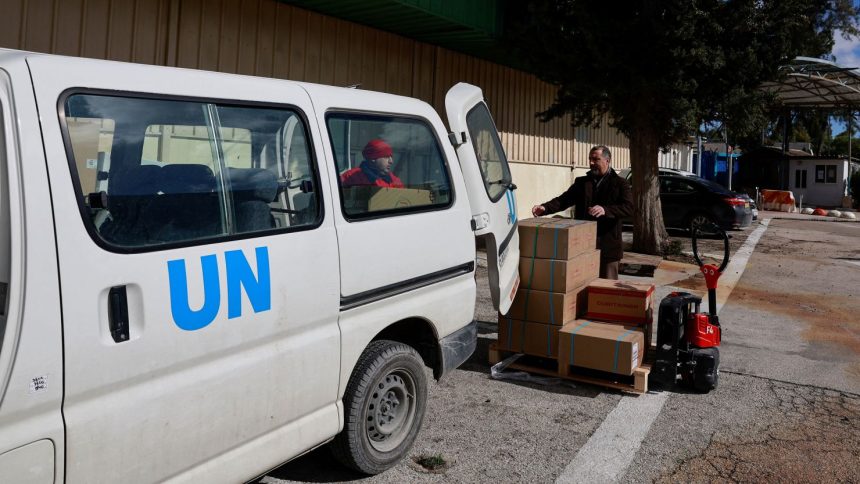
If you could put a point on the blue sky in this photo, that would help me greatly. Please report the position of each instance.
(847, 53)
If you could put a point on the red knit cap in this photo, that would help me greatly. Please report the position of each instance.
(376, 148)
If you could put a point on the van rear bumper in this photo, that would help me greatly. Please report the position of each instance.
(456, 348)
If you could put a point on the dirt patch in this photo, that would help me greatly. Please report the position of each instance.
(696, 283)
(830, 319)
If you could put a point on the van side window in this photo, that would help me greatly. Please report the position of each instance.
(153, 171)
(387, 165)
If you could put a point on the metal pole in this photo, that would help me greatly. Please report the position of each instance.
(728, 158)
(699, 152)
(786, 117)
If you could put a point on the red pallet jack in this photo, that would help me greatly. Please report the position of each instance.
(688, 341)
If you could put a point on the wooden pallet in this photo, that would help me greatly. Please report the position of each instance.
(636, 383)
(527, 363)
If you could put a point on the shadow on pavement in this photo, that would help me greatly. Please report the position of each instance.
(479, 363)
(319, 465)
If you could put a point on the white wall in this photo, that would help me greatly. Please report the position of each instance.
(819, 194)
(678, 156)
(539, 183)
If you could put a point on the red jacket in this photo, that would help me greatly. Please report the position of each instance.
(359, 177)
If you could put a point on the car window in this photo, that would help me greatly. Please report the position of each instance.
(675, 186)
(387, 165)
(154, 171)
(714, 186)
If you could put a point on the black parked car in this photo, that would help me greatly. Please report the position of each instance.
(688, 200)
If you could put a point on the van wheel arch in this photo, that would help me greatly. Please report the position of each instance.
(420, 335)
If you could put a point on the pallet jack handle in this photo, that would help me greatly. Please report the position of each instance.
(711, 272)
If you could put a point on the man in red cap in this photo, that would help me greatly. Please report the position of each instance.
(375, 170)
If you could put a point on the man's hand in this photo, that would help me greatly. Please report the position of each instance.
(538, 210)
(596, 211)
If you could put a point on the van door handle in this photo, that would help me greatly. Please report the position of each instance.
(118, 314)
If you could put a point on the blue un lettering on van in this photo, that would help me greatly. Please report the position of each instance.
(239, 276)
(512, 207)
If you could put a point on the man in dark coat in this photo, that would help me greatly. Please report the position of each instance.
(600, 195)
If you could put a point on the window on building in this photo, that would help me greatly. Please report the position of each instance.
(825, 173)
(151, 172)
(800, 179)
(387, 165)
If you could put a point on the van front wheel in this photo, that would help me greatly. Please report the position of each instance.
(384, 406)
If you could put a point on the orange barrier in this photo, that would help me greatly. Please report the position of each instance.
(779, 200)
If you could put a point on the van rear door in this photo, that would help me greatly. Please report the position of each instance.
(491, 191)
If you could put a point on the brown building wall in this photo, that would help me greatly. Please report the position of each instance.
(272, 39)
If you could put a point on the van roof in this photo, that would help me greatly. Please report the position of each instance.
(12, 55)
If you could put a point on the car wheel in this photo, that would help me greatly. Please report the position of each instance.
(384, 407)
(703, 221)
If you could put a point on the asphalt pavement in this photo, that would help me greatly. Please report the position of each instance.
(786, 409)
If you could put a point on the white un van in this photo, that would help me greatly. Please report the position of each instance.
(203, 275)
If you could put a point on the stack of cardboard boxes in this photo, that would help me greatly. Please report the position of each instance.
(557, 261)
(559, 284)
(615, 334)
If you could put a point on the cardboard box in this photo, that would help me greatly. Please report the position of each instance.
(556, 238)
(393, 198)
(554, 308)
(559, 275)
(535, 339)
(620, 301)
(601, 346)
(359, 199)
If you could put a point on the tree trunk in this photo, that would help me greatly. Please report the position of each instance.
(649, 233)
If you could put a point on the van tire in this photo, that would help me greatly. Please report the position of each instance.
(384, 407)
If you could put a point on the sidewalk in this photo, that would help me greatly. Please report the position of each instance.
(763, 214)
(673, 276)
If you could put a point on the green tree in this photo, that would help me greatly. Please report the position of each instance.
(807, 125)
(839, 145)
(659, 68)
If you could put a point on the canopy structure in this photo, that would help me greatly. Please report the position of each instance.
(817, 83)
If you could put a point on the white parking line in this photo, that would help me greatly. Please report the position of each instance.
(732, 274)
(610, 450)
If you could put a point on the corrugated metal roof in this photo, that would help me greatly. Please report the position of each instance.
(817, 83)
